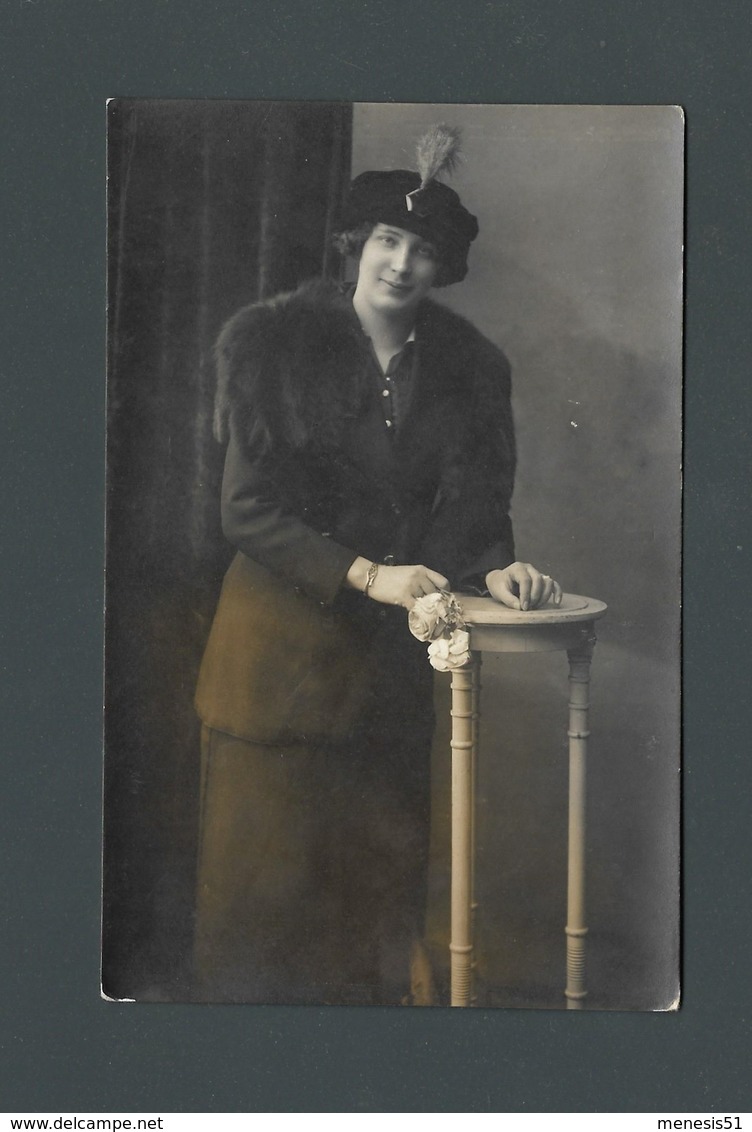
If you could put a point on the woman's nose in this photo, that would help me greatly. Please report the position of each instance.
(401, 260)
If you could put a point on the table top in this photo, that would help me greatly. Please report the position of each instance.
(574, 607)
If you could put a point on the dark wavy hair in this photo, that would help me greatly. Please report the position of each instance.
(350, 243)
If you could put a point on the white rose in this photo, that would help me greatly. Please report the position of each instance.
(451, 652)
(427, 619)
(438, 654)
(459, 645)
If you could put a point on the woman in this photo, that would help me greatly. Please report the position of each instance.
(370, 461)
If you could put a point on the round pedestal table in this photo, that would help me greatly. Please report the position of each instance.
(495, 628)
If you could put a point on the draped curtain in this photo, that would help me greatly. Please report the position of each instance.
(210, 205)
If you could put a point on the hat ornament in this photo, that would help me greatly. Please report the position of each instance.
(437, 151)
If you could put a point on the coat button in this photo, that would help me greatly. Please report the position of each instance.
(389, 560)
(388, 424)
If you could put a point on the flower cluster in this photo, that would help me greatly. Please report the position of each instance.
(437, 618)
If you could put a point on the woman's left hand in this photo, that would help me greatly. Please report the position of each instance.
(521, 586)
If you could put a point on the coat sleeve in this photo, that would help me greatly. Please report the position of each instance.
(257, 522)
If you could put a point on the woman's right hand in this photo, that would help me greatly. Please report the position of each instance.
(396, 585)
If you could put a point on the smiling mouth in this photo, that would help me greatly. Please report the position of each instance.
(403, 287)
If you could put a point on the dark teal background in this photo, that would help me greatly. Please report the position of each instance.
(62, 1048)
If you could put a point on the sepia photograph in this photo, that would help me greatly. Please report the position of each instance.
(393, 559)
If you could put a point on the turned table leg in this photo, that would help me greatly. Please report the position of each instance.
(464, 731)
(576, 929)
(475, 708)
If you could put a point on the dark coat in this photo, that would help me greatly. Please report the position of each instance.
(313, 478)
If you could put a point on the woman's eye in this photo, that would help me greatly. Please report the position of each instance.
(388, 240)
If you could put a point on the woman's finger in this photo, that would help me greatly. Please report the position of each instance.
(551, 591)
(537, 588)
(502, 591)
(524, 584)
(547, 585)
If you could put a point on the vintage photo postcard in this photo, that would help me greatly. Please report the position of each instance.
(393, 554)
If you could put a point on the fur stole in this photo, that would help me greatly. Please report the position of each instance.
(291, 371)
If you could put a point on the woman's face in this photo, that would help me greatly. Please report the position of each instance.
(397, 269)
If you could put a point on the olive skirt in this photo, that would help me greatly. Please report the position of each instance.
(312, 869)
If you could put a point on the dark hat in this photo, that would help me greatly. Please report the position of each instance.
(418, 202)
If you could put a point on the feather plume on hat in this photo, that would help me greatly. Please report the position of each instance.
(438, 151)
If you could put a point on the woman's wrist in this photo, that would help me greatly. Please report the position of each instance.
(357, 575)
(373, 570)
